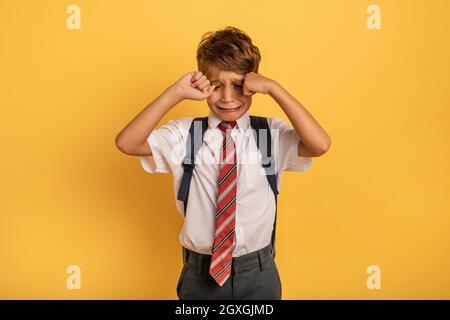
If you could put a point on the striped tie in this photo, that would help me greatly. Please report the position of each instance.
(224, 237)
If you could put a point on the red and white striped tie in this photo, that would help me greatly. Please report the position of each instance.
(224, 236)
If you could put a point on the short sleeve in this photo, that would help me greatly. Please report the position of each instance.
(167, 145)
(285, 141)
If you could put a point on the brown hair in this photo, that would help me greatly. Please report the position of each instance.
(229, 49)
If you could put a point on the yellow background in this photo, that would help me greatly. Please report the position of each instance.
(378, 197)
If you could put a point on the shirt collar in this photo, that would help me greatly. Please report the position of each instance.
(242, 123)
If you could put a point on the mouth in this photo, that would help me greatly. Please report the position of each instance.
(229, 109)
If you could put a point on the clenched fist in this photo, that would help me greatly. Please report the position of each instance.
(195, 86)
(257, 83)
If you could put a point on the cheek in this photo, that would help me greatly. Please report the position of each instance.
(213, 98)
(246, 99)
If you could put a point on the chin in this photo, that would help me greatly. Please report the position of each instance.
(229, 117)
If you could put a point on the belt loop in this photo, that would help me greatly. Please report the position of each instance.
(261, 260)
(195, 262)
(200, 263)
(192, 259)
(187, 256)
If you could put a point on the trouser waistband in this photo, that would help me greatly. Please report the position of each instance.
(259, 258)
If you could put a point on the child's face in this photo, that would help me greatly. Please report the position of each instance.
(227, 100)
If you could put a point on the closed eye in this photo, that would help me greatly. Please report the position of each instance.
(217, 87)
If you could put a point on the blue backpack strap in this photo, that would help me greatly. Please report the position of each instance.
(263, 137)
(193, 144)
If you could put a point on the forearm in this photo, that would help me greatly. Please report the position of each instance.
(308, 129)
(136, 132)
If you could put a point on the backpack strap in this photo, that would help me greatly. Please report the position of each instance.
(193, 144)
(263, 138)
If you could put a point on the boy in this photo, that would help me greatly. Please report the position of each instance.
(229, 219)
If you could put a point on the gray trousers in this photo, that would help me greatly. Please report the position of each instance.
(254, 276)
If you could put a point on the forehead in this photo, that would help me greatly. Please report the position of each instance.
(216, 74)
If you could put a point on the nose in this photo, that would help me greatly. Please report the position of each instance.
(227, 95)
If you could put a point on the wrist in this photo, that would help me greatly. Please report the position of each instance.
(176, 93)
(273, 88)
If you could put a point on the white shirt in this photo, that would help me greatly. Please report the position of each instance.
(255, 202)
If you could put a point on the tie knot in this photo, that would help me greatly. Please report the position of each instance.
(224, 125)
